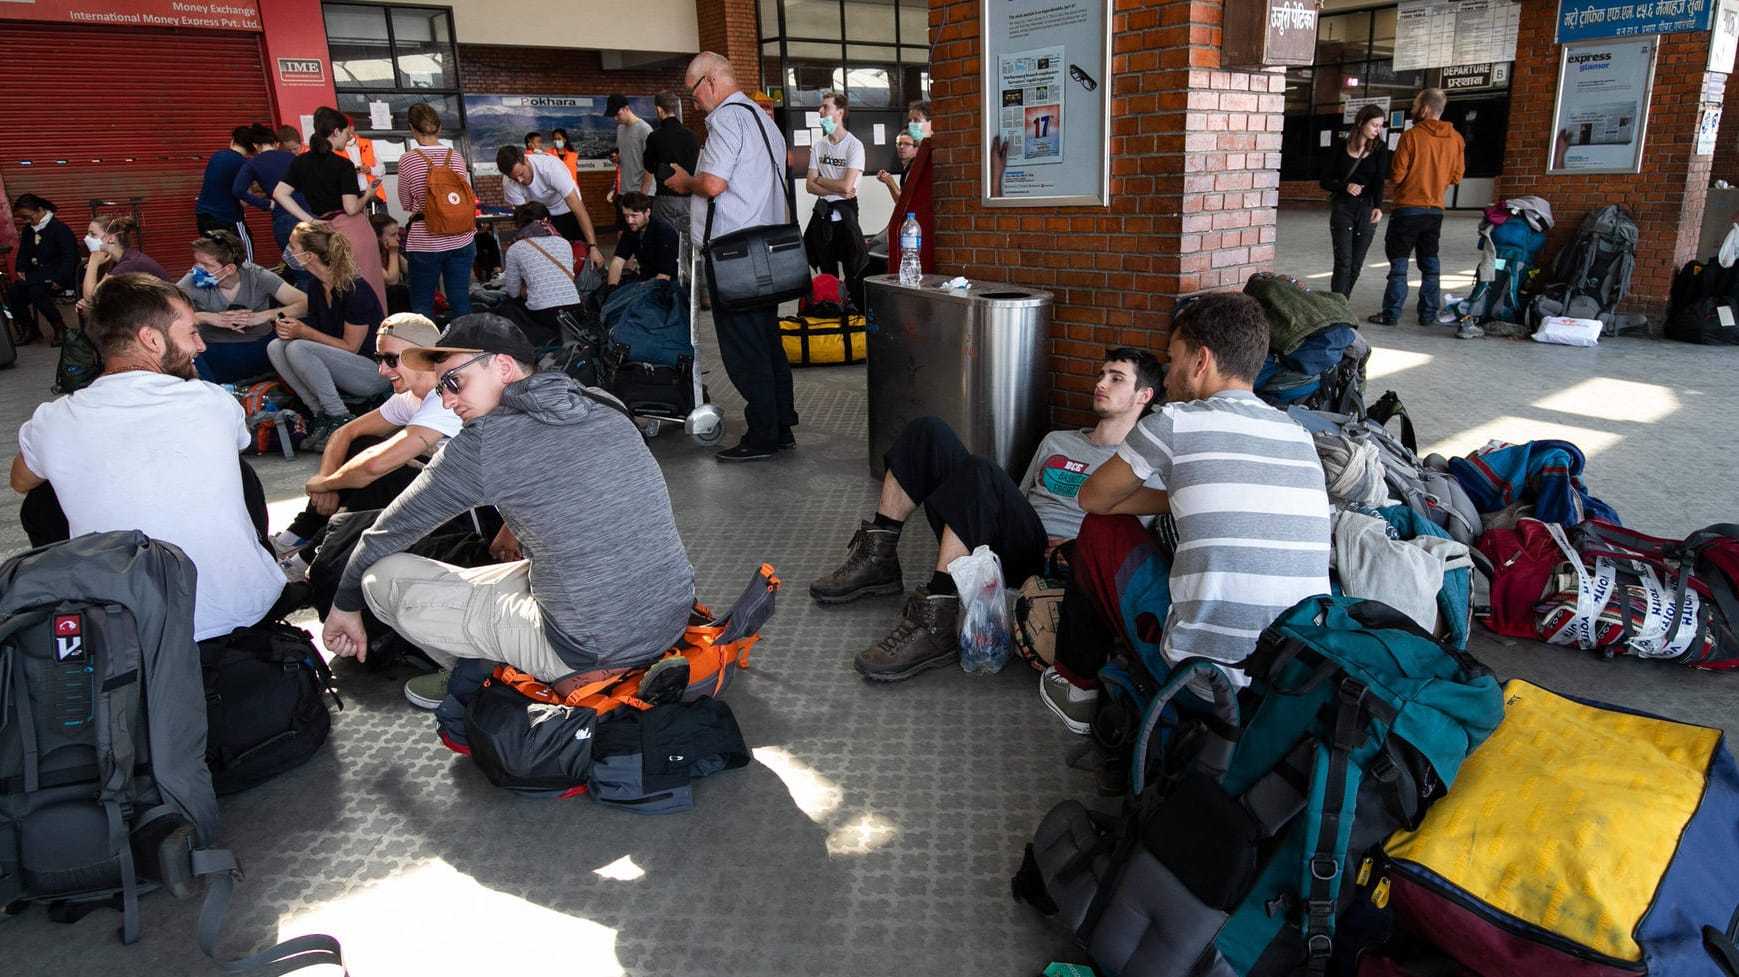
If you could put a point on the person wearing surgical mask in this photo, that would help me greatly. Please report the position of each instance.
(915, 196)
(563, 149)
(236, 303)
(836, 163)
(114, 246)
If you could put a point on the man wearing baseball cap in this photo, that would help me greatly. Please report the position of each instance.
(605, 585)
(370, 460)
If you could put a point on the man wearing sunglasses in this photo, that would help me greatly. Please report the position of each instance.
(606, 584)
(368, 462)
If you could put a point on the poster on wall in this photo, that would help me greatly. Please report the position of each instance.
(1601, 114)
(1047, 64)
(1439, 33)
(493, 121)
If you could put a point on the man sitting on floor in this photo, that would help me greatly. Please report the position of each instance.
(606, 584)
(970, 501)
(369, 461)
(149, 446)
(1245, 492)
(650, 242)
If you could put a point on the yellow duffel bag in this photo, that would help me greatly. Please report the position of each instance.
(822, 340)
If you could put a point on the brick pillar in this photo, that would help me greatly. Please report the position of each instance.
(1666, 198)
(1195, 167)
(727, 27)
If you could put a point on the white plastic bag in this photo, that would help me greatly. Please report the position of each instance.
(984, 622)
(1729, 247)
(1566, 331)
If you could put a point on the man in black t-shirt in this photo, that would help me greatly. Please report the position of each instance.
(650, 241)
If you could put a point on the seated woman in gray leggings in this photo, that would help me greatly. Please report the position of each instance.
(333, 351)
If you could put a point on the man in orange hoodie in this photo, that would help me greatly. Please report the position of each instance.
(1429, 157)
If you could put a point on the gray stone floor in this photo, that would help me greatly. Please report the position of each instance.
(876, 830)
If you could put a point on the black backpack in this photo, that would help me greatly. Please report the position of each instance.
(1703, 309)
(104, 791)
(265, 703)
(79, 363)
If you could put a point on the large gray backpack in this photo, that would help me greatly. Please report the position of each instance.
(104, 789)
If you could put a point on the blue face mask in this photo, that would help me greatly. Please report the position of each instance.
(917, 131)
(203, 278)
(827, 127)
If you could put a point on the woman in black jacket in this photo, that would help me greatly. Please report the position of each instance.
(1354, 179)
(48, 254)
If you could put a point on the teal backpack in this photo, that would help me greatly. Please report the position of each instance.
(1232, 856)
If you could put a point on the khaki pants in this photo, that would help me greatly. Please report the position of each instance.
(452, 612)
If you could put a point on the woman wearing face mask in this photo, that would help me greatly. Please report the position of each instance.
(114, 246)
(561, 148)
(916, 195)
(432, 259)
(332, 352)
(233, 300)
(47, 262)
(1354, 179)
(326, 178)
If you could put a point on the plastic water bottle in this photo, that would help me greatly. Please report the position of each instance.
(911, 241)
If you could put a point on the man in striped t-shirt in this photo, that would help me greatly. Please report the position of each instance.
(1242, 483)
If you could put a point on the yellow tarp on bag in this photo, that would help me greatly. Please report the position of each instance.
(1566, 820)
(821, 340)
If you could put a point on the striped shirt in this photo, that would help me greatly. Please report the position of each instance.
(1252, 516)
(414, 191)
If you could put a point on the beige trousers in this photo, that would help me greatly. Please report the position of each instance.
(453, 612)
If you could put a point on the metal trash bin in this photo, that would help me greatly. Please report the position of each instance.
(974, 358)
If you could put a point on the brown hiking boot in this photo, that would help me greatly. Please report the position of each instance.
(927, 637)
(872, 566)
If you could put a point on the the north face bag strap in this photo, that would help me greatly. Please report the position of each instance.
(218, 867)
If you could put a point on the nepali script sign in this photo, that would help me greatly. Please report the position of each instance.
(1583, 20)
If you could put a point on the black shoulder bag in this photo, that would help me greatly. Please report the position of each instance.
(762, 265)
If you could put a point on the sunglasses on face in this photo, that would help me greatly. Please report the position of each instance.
(388, 360)
(450, 380)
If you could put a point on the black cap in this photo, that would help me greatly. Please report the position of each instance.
(469, 335)
(616, 103)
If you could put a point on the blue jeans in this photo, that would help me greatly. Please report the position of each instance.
(235, 362)
(452, 269)
(1412, 229)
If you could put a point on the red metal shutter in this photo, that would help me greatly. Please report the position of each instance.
(115, 112)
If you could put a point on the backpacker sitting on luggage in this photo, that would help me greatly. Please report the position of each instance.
(607, 585)
(1245, 491)
(369, 461)
(971, 501)
(150, 447)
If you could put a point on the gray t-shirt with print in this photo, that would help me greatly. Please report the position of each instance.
(1053, 479)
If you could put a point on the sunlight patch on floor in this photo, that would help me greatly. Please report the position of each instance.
(621, 870)
(1517, 430)
(860, 836)
(402, 927)
(1388, 362)
(814, 794)
(1614, 400)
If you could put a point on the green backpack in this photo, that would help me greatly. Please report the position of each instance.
(1233, 855)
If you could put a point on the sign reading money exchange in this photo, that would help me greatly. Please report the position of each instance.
(1047, 101)
(1582, 20)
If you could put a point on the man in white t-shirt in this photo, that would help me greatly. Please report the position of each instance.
(970, 501)
(371, 459)
(835, 167)
(147, 446)
(545, 179)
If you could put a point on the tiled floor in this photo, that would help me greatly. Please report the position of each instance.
(876, 830)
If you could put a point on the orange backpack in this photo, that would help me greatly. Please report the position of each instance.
(714, 650)
(450, 206)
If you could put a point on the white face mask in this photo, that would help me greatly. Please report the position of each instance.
(94, 243)
(560, 144)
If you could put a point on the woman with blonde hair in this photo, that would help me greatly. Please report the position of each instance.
(327, 180)
(332, 353)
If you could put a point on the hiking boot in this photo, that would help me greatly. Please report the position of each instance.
(1074, 706)
(872, 566)
(1469, 331)
(427, 691)
(927, 636)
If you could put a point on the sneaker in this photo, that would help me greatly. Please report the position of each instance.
(286, 542)
(665, 681)
(295, 568)
(1380, 319)
(1074, 706)
(1469, 331)
(427, 691)
(743, 452)
(325, 425)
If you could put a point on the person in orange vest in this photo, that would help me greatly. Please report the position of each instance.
(361, 152)
(563, 150)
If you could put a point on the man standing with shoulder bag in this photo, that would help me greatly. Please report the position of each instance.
(738, 181)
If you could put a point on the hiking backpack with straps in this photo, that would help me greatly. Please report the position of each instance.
(1233, 856)
(450, 207)
(1592, 273)
(104, 790)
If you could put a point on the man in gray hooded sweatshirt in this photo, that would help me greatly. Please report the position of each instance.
(605, 584)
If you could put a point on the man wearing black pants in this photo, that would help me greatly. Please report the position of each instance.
(970, 501)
